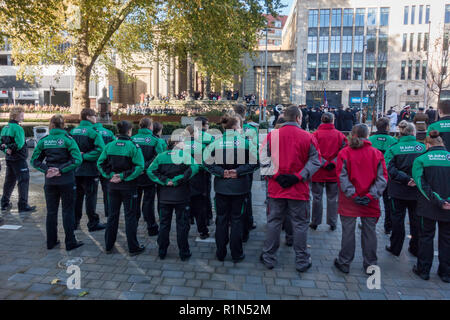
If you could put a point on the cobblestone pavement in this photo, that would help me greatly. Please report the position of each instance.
(27, 268)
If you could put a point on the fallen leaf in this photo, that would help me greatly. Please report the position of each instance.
(84, 293)
(55, 281)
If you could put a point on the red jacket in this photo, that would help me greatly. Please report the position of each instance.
(330, 141)
(292, 151)
(361, 172)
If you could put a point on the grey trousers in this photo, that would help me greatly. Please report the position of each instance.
(298, 214)
(317, 203)
(368, 241)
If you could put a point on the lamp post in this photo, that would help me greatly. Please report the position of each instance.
(303, 77)
(71, 86)
(425, 97)
(362, 79)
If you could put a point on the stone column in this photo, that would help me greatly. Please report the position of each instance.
(190, 89)
(207, 87)
(155, 74)
(172, 76)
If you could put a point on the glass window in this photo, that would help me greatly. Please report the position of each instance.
(358, 46)
(419, 41)
(384, 16)
(347, 44)
(427, 14)
(413, 14)
(336, 17)
(416, 92)
(425, 42)
(405, 37)
(323, 67)
(346, 71)
(325, 18)
(348, 17)
(424, 69)
(311, 65)
(409, 69)
(312, 44)
(323, 44)
(382, 42)
(447, 13)
(411, 42)
(408, 92)
(359, 17)
(402, 73)
(372, 17)
(334, 66)
(313, 18)
(381, 66)
(417, 77)
(335, 44)
(370, 67)
(420, 14)
(357, 66)
(445, 42)
(405, 15)
(371, 40)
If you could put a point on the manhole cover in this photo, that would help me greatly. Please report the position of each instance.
(65, 263)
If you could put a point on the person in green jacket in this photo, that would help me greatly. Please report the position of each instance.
(172, 170)
(122, 162)
(443, 125)
(14, 146)
(107, 136)
(382, 141)
(150, 147)
(57, 156)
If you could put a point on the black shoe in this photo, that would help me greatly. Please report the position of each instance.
(57, 243)
(313, 226)
(268, 266)
(332, 228)
(245, 237)
(28, 209)
(99, 226)
(220, 258)
(77, 245)
(7, 207)
(340, 267)
(110, 251)
(424, 276)
(138, 251)
(444, 278)
(239, 259)
(305, 268)
(186, 257)
(388, 249)
(204, 236)
(153, 232)
(253, 226)
(412, 252)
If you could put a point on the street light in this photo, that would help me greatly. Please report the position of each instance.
(425, 98)
(362, 79)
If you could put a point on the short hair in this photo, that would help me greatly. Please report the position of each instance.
(434, 138)
(204, 120)
(14, 113)
(444, 106)
(157, 126)
(292, 113)
(240, 110)
(145, 123)
(87, 112)
(406, 128)
(123, 127)
(228, 122)
(190, 130)
(57, 121)
(383, 124)
(327, 117)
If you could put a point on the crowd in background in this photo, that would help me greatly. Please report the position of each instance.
(33, 108)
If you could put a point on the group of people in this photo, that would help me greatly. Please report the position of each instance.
(356, 172)
(31, 108)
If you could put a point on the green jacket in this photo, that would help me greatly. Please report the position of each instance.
(91, 145)
(177, 166)
(443, 126)
(13, 137)
(57, 150)
(382, 141)
(106, 134)
(431, 173)
(206, 138)
(199, 183)
(121, 157)
(251, 132)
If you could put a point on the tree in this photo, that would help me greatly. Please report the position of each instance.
(438, 74)
(215, 33)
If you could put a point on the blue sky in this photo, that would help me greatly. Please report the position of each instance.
(285, 11)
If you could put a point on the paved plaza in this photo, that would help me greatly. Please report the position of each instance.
(28, 270)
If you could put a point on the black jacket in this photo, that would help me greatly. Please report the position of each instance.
(347, 120)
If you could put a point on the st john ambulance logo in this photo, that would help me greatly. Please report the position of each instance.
(83, 131)
(148, 140)
(448, 157)
(419, 148)
(237, 143)
(60, 142)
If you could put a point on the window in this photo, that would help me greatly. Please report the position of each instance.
(402, 74)
(447, 13)
(419, 41)
(277, 24)
(346, 71)
(335, 44)
(313, 18)
(416, 92)
(357, 66)
(323, 44)
(382, 42)
(323, 67)
(372, 17)
(425, 42)
(384, 16)
(370, 67)
(348, 17)
(405, 15)
(405, 36)
(411, 42)
(382, 66)
(424, 69)
(346, 44)
(334, 66)
(408, 92)
(409, 69)
(413, 14)
(311, 65)
(358, 46)
(324, 18)
(417, 76)
(427, 14)
(371, 41)
(336, 17)
(312, 44)
(359, 17)
(420, 14)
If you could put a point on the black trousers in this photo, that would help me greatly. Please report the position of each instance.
(53, 195)
(208, 197)
(146, 196)
(129, 200)
(229, 209)
(16, 171)
(105, 189)
(398, 225)
(199, 211)
(387, 211)
(426, 249)
(248, 211)
(182, 223)
(87, 188)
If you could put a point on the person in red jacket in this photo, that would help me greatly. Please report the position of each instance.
(295, 158)
(362, 178)
(330, 141)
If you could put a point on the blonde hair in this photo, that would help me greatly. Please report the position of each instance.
(57, 121)
(406, 128)
(14, 113)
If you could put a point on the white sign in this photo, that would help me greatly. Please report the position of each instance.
(3, 94)
(27, 95)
